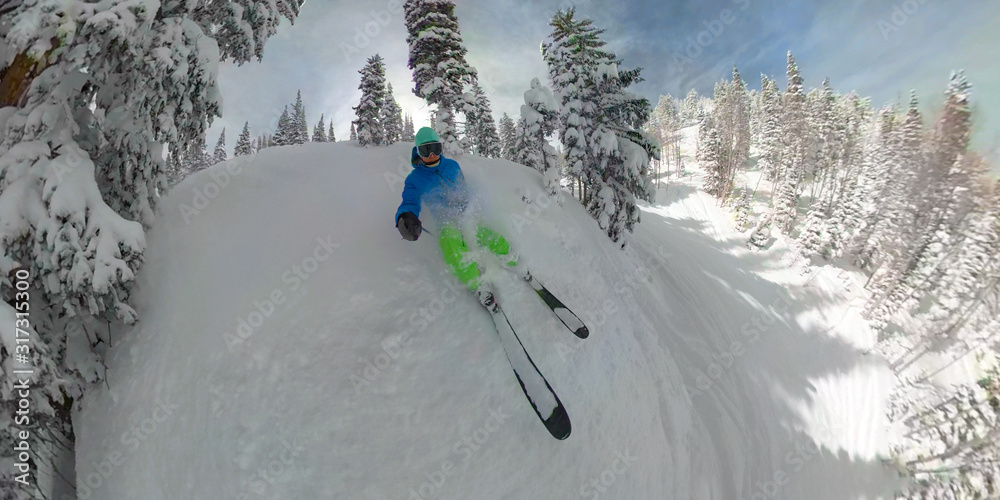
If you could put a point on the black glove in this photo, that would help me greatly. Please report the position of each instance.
(409, 226)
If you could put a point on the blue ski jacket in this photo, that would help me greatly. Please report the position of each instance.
(441, 187)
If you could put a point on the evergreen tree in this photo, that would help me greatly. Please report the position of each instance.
(539, 118)
(794, 136)
(198, 157)
(330, 136)
(508, 137)
(78, 202)
(219, 155)
(354, 132)
(596, 106)
(770, 133)
(283, 135)
(299, 129)
(437, 58)
(941, 192)
(319, 131)
(175, 170)
(825, 146)
(392, 118)
(710, 160)
(690, 108)
(761, 234)
(481, 128)
(371, 110)
(243, 146)
(744, 209)
(408, 131)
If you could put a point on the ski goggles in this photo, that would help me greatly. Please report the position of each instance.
(430, 148)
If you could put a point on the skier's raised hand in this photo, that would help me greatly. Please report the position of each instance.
(409, 226)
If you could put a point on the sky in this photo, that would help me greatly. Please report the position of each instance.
(877, 48)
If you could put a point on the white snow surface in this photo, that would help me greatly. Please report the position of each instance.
(711, 372)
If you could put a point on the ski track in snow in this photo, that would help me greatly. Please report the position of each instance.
(376, 376)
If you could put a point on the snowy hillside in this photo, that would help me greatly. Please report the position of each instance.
(298, 348)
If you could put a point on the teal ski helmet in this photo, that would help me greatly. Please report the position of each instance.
(425, 135)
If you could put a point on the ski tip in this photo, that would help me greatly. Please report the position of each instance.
(582, 332)
(558, 423)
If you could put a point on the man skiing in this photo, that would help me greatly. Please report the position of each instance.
(438, 182)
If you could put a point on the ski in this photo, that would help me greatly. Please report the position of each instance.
(536, 388)
(568, 317)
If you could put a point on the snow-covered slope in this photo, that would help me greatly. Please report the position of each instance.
(292, 346)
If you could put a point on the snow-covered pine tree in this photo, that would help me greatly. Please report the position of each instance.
(220, 155)
(437, 58)
(408, 131)
(79, 184)
(330, 135)
(690, 108)
(392, 118)
(732, 126)
(602, 122)
(174, 168)
(738, 131)
(761, 234)
(969, 272)
(371, 108)
(284, 133)
(744, 209)
(571, 56)
(354, 132)
(711, 164)
(770, 130)
(895, 231)
(508, 137)
(243, 146)
(539, 116)
(877, 168)
(481, 129)
(815, 237)
(793, 156)
(299, 127)
(198, 157)
(319, 131)
(958, 439)
(944, 183)
(824, 148)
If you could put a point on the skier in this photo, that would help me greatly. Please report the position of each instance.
(438, 182)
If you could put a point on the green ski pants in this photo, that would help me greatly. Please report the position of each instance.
(455, 252)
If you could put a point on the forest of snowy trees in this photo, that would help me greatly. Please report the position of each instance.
(884, 190)
(291, 129)
(904, 201)
(79, 184)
